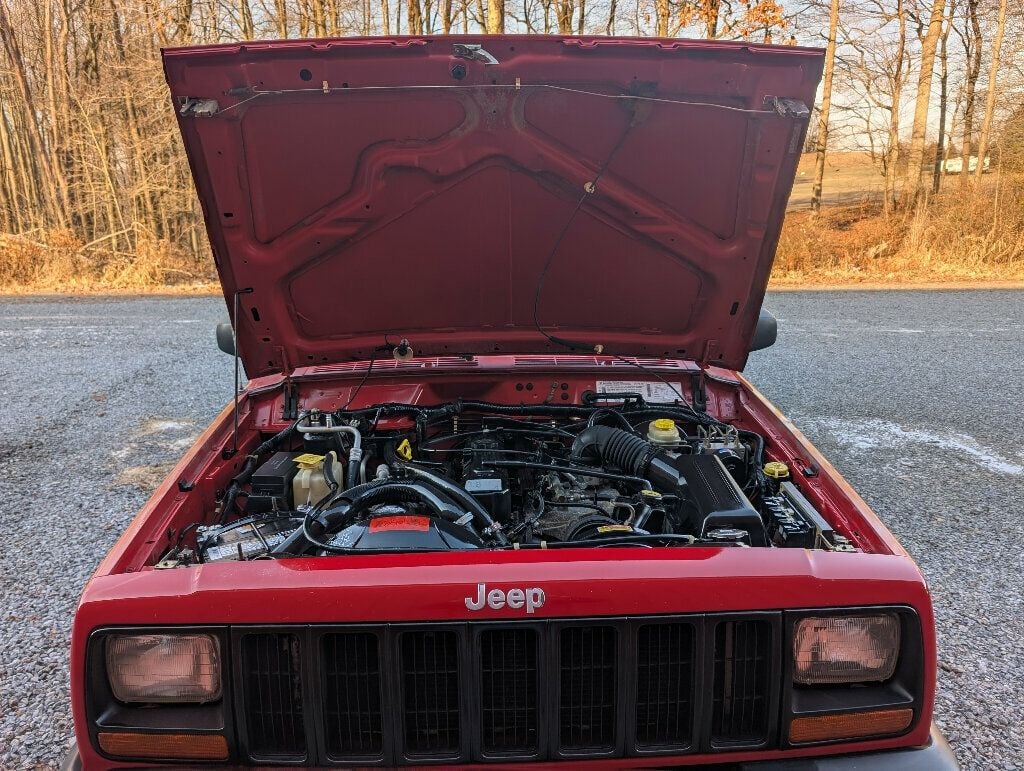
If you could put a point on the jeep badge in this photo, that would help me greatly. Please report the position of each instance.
(530, 598)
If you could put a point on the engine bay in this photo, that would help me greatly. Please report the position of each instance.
(464, 475)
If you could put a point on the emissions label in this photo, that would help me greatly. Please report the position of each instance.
(399, 523)
(652, 392)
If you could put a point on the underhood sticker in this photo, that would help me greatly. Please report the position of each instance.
(652, 392)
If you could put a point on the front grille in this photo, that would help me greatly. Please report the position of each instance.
(508, 691)
(353, 701)
(743, 651)
(664, 685)
(586, 704)
(430, 686)
(485, 691)
(272, 695)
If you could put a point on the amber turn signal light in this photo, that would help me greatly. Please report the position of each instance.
(169, 746)
(849, 725)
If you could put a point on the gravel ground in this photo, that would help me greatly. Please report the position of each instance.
(916, 397)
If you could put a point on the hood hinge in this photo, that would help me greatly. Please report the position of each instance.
(793, 108)
(200, 108)
(290, 408)
(698, 391)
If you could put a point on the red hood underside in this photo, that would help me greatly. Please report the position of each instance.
(368, 190)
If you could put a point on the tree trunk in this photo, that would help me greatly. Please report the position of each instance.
(972, 42)
(712, 11)
(414, 17)
(940, 144)
(892, 154)
(281, 18)
(43, 159)
(990, 99)
(245, 22)
(826, 105)
(662, 9)
(918, 133)
(495, 17)
(583, 13)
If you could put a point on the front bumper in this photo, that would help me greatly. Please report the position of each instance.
(934, 756)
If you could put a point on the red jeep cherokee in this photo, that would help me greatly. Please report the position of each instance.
(495, 492)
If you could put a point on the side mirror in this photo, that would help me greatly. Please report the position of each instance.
(226, 338)
(766, 332)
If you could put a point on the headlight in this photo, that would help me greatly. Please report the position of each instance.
(831, 650)
(164, 668)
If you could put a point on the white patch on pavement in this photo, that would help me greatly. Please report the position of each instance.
(873, 434)
(161, 425)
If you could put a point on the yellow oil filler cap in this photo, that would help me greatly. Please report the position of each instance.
(776, 470)
(663, 431)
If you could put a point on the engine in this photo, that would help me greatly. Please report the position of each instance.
(481, 476)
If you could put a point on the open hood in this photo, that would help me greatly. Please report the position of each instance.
(365, 190)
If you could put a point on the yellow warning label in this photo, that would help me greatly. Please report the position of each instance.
(614, 529)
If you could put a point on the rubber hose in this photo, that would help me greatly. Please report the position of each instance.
(607, 445)
(483, 517)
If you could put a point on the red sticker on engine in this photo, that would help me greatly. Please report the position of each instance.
(399, 523)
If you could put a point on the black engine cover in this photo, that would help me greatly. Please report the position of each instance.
(713, 500)
(405, 531)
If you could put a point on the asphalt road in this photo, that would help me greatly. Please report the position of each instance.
(916, 397)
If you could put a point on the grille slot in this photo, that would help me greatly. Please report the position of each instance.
(430, 685)
(508, 691)
(587, 693)
(352, 698)
(664, 685)
(272, 687)
(742, 684)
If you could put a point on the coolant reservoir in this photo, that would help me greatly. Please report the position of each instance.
(309, 485)
(663, 431)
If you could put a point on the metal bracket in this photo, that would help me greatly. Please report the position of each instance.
(290, 409)
(792, 108)
(474, 52)
(698, 392)
(200, 108)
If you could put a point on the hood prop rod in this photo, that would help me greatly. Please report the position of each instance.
(234, 344)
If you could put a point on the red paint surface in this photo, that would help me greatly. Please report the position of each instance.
(407, 203)
(126, 590)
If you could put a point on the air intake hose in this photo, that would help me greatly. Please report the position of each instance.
(600, 445)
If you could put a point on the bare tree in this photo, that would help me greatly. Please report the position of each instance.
(940, 144)
(915, 157)
(990, 99)
(826, 105)
(971, 39)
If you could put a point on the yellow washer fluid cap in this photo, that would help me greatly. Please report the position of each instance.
(663, 431)
(308, 460)
(776, 469)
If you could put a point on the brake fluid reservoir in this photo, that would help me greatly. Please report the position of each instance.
(663, 431)
(309, 485)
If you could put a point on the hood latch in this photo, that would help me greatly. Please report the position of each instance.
(473, 51)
